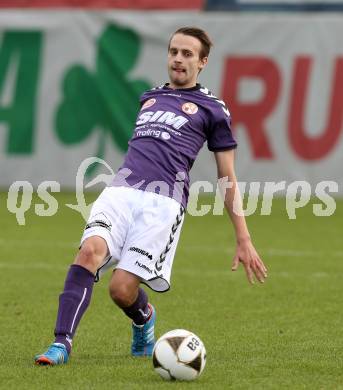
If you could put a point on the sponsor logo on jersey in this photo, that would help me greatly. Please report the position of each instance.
(141, 251)
(153, 133)
(148, 103)
(190, 108)
(167, 117)
(165, 135)
(144, 267)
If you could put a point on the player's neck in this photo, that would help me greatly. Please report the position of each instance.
(185, 86)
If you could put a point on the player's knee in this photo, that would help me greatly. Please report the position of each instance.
(122, 295)
(89, 257)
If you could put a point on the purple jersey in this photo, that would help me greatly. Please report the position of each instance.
(171, 128)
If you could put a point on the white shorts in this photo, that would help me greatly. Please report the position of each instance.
(141, 230)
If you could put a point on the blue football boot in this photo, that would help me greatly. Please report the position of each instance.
(143, 339)
(56, 354)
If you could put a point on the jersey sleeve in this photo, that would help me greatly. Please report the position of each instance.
(143, 98)
(220, 135)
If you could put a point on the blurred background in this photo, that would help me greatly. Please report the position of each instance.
(71, 73)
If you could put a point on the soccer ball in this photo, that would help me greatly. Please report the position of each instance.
(179, 354)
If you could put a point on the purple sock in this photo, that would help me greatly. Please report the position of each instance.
(139, 311)
(73, 303)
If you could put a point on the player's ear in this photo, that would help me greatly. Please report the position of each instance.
(203, 63)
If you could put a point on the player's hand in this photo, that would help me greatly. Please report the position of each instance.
(253, 265)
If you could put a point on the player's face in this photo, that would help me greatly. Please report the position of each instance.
(184, 62)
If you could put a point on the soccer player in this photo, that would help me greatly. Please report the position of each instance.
(134, 225)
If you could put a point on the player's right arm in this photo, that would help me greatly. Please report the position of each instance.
(245, 250)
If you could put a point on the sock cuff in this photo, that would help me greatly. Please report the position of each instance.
(80, 275)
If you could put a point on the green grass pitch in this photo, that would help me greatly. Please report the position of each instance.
(285, 334)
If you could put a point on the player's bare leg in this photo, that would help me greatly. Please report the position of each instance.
(74, 299)
(125, 291)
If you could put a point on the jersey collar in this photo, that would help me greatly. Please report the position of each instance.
(195, 88)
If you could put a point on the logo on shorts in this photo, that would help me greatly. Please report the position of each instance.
(99, 220)
(141, 251)
(190, 108)
(144, 267)
(148, 103)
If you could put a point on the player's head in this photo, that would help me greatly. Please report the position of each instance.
(188, 51)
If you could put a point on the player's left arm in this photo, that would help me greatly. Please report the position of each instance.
(245, 250)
